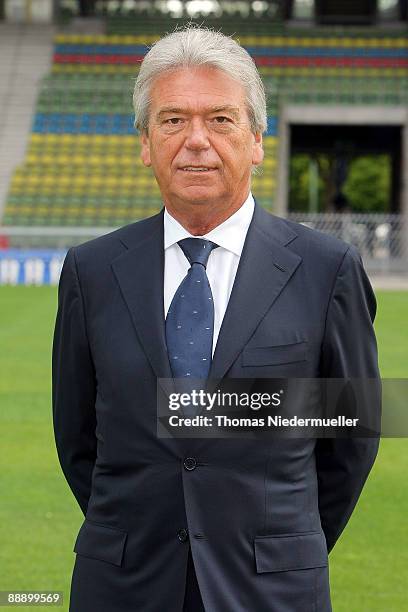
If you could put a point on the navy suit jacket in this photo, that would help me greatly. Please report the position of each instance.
(260, 515)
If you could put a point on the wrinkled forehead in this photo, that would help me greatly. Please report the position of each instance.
(201, 90)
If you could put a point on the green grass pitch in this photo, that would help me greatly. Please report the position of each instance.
(39, 518)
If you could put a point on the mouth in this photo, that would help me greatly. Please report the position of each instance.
(197, 169)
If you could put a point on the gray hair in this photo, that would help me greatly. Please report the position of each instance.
(199, 46)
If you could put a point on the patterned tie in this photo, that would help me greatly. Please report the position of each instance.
(190, 318)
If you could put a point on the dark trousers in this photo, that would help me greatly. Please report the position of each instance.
(192, 598)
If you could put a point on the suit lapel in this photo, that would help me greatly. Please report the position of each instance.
(140, 274)
(265, 267)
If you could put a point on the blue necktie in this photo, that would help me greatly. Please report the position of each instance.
(190, 318)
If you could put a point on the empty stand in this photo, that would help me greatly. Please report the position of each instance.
(82, 164)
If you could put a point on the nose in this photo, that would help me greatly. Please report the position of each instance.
(197, 135)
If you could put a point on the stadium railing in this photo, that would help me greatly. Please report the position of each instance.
(34, 255)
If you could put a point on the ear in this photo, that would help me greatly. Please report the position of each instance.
(257, 150)
(145, 149)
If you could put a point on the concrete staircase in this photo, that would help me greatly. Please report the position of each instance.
(25, 58)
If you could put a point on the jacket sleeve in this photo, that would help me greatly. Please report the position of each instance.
(349, 350)
(73, 386)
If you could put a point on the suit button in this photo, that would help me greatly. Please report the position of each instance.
(182, 535)
(190, 463)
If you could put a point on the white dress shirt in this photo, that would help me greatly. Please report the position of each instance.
(222, 263)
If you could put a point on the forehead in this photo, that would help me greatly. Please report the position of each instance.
(196, 89)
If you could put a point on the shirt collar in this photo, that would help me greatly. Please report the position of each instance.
(230, 234)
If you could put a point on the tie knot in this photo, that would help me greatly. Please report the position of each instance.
(197, 250)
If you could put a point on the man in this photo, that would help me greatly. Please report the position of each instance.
(212, 286)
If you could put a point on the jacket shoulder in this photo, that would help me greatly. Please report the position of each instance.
(318, 239)
(319, 250)
(115, 242)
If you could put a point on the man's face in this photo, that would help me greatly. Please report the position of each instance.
(199, 141)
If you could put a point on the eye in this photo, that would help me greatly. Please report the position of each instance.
(173, 121)
(222, 119)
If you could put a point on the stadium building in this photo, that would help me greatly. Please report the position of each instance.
(336, 148)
